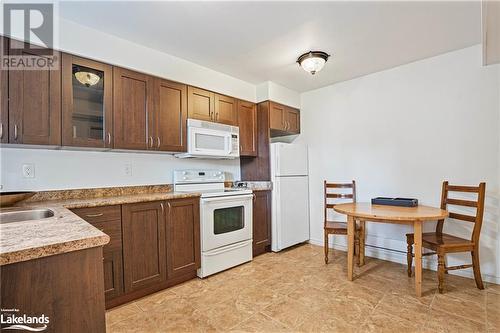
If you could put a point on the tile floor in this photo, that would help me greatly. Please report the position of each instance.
(294, 291)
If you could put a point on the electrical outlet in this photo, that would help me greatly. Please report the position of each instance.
(128, 169)
(29, 170)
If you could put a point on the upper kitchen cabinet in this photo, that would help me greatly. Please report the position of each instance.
(170, 115)
(208, 106)
(34, 107)
(87, 103)
(4, 104)
(201, 104)
(276, 116)
(283, 120)
(226, 111)
(133, 108)
(247, 120)
(292, 120)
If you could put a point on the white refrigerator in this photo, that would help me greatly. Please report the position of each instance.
(290, 196)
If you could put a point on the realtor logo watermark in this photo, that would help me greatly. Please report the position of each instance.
(33, 23)
(11, 319)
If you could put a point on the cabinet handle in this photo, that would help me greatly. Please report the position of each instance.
(95, 215)
(162, 208)
(1, 130)
(150, 142)
(211, 114)
(109, 138)
(15, 132)
(159, 142)
(254, 197)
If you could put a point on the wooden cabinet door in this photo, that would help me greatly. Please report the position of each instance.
(132, 109)
(143, 244)
(247, 120)
(108, 219)
(170, 115)
(276, 116)
(34, 100)
(4, 102)
(292, 120)
(87, 107)
(261, 221)
(201, 104)
(226, 111)
(113, 274)
(183, 236)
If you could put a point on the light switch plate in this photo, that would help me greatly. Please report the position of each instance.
(128, 169)
(29, 170)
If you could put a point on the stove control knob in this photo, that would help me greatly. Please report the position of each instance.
(184, 178)
(184, 173)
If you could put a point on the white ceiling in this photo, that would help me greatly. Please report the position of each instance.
(260, 41)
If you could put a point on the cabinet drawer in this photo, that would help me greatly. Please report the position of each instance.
(114, 230)
(99, 214)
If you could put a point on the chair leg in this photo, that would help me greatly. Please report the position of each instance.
(476, 268)
(356, 248)
(362, 235)
(326, 246)
(409, 253)
(441, 269)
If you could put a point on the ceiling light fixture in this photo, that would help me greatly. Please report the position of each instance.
(313, 61)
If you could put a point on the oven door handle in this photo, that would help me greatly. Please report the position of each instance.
(228, 198)
(227, 248)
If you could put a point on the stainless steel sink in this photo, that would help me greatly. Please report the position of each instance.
(24, 214)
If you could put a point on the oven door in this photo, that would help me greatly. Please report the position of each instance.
(209, 142)
(225, 220)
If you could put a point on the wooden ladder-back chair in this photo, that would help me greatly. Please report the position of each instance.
(442, 243)
(340, 227)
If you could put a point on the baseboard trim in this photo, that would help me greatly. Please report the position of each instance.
(400, 258)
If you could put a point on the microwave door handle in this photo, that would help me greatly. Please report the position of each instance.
(228, 144)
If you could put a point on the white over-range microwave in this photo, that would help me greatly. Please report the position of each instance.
(211, 140)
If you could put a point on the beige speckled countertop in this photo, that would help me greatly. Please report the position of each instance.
(65, 232)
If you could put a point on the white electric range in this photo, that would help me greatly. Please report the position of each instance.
(225, 219)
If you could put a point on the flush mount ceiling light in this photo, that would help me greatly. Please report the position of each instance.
(87, 78)
(313, 61)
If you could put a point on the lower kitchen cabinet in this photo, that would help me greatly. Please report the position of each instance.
(183, 236)
(261, 222)
(144, 250)
(153, 245)
(67, 288)
(113, 274)
(108, 220)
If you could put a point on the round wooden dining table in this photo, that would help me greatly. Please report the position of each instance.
(415, 216)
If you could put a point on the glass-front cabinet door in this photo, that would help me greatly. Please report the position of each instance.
(87, 103)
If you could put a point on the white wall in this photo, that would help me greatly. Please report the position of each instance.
(401, 132)
(90, 43)
(77, 39)
(498, 238)
(271, 91)
(64, 169)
